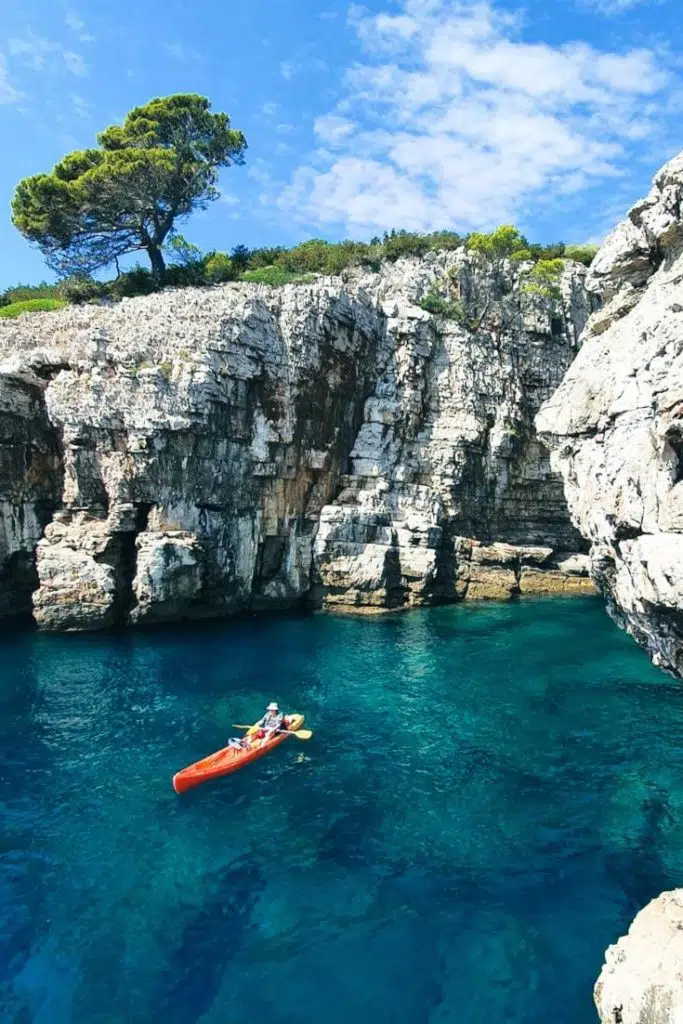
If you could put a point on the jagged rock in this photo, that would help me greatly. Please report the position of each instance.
(642, 979)
(79, 564)
(212, 450)
(169, 576)
(447, 448)
(499, 571)
(615, 424)
(30, 486)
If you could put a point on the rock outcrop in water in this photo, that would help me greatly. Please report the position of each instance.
(642, 978)
(200, 452)
(616, 422)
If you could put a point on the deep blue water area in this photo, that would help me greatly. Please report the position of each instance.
(490, 795)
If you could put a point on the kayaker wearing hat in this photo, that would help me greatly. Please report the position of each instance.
(271, 721)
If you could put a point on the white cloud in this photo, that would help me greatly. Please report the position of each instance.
(33, 52)
(81, 107)
(610, 7)
(259, 171)
(454, 120)
(75, 64)
(74, 22)
(183, 54)
(269, 109)
(76, 25)
(8, 94)
(288, 69)
(333, 129)
(45, 55)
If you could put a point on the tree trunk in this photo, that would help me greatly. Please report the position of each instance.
(156, 258)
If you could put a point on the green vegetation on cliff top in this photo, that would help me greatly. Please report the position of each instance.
(187, 266)
(159, 167)
(30, 306)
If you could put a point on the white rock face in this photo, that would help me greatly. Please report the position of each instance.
(615, 425)
(169, 576)
(446, 456)
(642, 979)
(209, 450)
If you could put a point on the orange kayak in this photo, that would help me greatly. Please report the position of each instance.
(229, 759)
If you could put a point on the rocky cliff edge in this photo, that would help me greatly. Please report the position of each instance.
(205, 451)
(615, 424)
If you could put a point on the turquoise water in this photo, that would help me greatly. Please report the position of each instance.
(490, 795)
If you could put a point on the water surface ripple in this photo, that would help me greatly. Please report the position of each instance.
(490, 795)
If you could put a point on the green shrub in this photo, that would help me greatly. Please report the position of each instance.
(321, 257)
(240, 257)
(304, 258)
(521, 255)
(548, 252)
(276, 276)
(81, 289)
(261, 258)
(448, 240)
(582, 253)
(137, 281)
(504, 242)
(404, 243)
(437, 305)
(31, 306)
(543, 280)
(26, 292)
(186, 275)
(218, 267)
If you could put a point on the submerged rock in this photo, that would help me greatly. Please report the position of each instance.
(204, 451)
(642, 979)
(615, 424)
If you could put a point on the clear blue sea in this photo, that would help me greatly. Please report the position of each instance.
(490, 795)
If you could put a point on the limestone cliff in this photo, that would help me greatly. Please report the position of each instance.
(642, 979)
(199, 452)
(616, 422)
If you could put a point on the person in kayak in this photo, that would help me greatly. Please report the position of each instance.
(272, 721)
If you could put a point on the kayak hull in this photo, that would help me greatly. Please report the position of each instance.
(229, 759)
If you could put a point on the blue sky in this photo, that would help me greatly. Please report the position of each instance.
(421, 114)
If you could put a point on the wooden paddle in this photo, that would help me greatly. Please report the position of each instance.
(301, 734)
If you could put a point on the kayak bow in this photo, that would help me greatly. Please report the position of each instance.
(230, 759)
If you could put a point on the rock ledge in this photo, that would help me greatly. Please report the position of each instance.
(642, 979)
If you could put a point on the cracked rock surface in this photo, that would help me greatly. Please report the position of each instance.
(200, 452)
(642, 978)
(615, 424)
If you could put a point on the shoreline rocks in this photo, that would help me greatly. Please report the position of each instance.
(641, 981)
